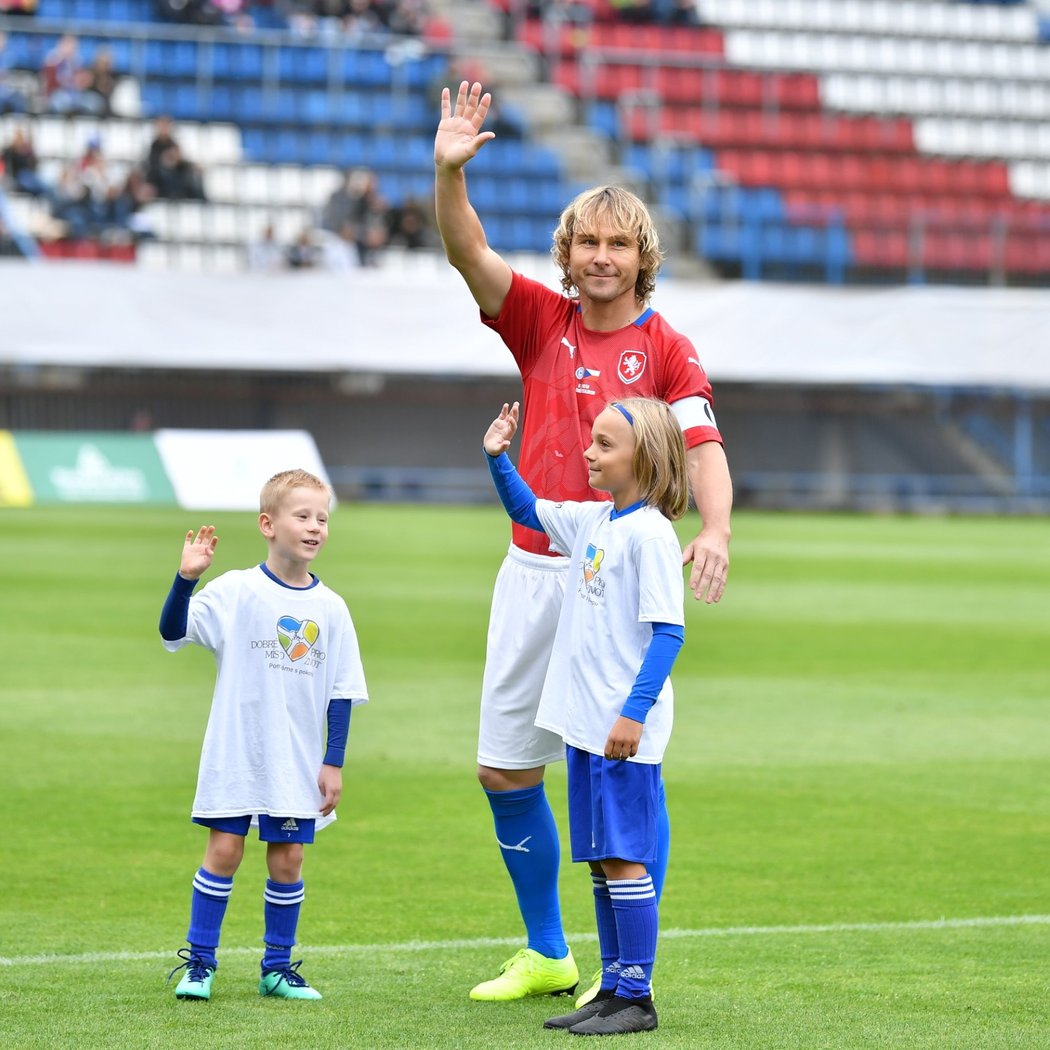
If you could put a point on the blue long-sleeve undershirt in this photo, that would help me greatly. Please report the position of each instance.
(176, 612)
(659, 658)
(518, 500)
(338, 731)
(174, 619)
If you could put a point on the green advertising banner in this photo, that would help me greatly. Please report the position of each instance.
(93, 468)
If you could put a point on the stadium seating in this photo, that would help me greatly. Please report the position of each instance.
(902, 137)
(279, 105)
(853, 139)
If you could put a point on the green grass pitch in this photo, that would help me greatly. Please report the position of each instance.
(859, 783)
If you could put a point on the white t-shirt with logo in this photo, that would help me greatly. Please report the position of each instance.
(281, 653)
(625, 574)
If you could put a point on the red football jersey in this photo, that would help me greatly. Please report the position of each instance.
(569, 374)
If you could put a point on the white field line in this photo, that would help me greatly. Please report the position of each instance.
(497, 942)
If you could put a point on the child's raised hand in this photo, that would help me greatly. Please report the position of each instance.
(197, 552)
(501, 430)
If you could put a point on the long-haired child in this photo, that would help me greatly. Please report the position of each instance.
(607, 690)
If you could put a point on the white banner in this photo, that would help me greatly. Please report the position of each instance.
(388, 323)
(225, 469)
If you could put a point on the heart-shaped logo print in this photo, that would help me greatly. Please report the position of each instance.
(296, 636)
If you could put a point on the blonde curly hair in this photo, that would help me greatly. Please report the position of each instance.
(627, 214)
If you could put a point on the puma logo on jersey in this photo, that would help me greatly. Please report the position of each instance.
(572, 349)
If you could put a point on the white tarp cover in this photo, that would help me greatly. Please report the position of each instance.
(239, 463)
(420, 319)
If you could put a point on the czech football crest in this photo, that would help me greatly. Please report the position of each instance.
(631, 365)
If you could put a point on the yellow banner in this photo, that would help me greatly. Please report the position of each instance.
(15, 490)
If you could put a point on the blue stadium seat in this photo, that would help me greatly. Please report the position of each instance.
(221, 105)
(284, 147)
(238, 61)
(85, 11)
(350, 150)
(21, 53)
(171, 58)
(421, 73)
(253, 143)
(248, 104)
(602, 116)
(314, 106)
(486, 193)
(121, 11)
(184, 103)
(365, 69)
(303, 65)
(317, 147)
(122, 52)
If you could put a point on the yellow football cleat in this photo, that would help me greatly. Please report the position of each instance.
(529, 973)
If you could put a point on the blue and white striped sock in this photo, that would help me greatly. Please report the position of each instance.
(281, 904)
(211, 894)
(634, 905)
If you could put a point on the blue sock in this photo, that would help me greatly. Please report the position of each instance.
(528, 839)
(608, 942)
(634, 904)
(211, 893)
(281, 904)
(663, 845)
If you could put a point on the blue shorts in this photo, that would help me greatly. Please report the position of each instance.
(612, 808)
(271, 829)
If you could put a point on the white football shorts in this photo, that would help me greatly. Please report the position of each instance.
(526, 603)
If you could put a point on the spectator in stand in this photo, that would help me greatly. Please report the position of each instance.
(171, 175)
(193, 12)
(570, 12)
(90, 198)
(65, 82)
(177, 179)
(127, 207)
(408, 224)
(18, 7)
(304, 253)
(163, 137)
(8, 247)
(358, 204)
(408, 18)
(676, 12)
(337, 252)
(71, 203)
(638, 11)
(101, 81)
(11, 99)
(364, 19)
(508, 123)
(356, 19)
(265, 255)
(103, 190)
(20, 166)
